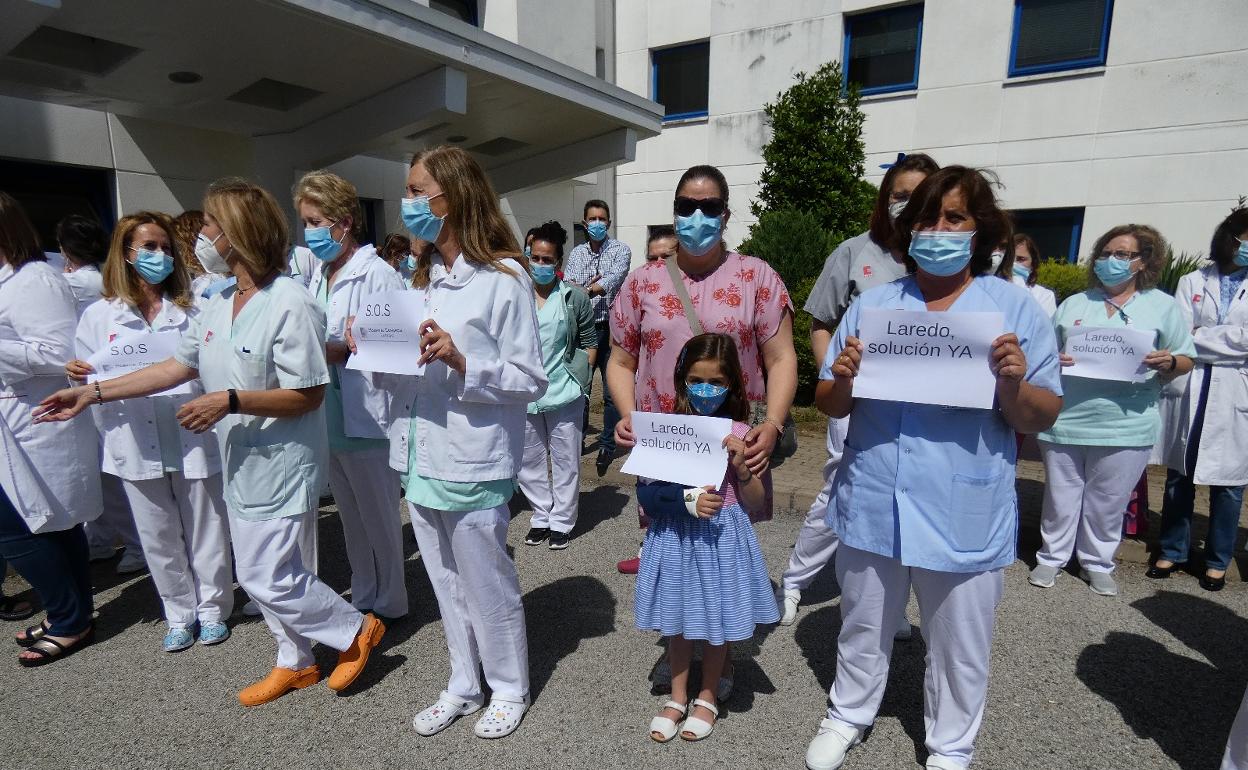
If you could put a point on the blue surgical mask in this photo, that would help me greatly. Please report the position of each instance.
(322, 243)
(698, 233)
(706, 398)
(419, 220)
(409, 262)
(1022, 272)
(542, 274)
(153, 266)
(941, 253)
(1241, 256)
(528, 252)
(1113, 271)
(597, 230)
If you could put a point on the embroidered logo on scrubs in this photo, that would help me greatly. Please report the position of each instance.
(866, 270)
(112, 336)
(1078, 321)
(208, 337)
(1195, 298)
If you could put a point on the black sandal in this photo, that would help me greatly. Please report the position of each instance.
(51, 650)
(9, 609)
(33, 634)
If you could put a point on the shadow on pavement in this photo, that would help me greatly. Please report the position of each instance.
(558, 617)
(1185, 706)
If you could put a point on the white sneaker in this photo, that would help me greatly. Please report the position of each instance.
(833, 741)
(131, 562)
(1043, 576)
(942, 763)
(439, 716)
(251, 609)
(788, 601)
(1101, 583)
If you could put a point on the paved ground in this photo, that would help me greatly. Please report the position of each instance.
(1149, 679)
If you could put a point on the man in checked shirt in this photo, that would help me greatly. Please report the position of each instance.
(599, 267)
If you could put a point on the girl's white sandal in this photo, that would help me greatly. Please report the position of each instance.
(501, 718)
(662, 726)
(439, 716)
(699, 728)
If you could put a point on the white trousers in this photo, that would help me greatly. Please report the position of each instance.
(1086, 490)
(1236, 756)
(115, 521)
(366, 490)
(550, 471)
(816, 541)
(957, 613)
(298, 608)
(182, 526)
(478, 592)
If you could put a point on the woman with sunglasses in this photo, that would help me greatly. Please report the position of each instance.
(1095, 452)
(726, 292)
(550, 470)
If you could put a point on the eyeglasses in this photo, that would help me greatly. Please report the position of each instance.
(1119, 254)
(712, 207)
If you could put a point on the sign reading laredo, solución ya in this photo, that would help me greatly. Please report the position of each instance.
(928, 358)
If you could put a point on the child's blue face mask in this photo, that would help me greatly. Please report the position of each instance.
(706, 398)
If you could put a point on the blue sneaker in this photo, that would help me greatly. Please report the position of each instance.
(178, 639)
(213, 632)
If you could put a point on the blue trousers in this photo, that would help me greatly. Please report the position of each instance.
(55, 565)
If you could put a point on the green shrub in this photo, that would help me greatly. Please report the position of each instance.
(1176, 267)
(793, 242)
(807, 366)
(1064, 278)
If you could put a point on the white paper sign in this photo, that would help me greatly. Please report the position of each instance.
(928, 358)
(681, 448)
(1109, 354)
(133, 351)
(387, 332)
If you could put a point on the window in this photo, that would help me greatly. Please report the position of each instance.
(882, 49)
(1055, 231)
(1054, 35)
(680, 80)
(50, 192)
(464, 10)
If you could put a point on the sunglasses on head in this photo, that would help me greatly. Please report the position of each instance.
(712, 207)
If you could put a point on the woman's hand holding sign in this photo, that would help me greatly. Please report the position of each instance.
(835, 397)
(1008, 361)
(436, 345)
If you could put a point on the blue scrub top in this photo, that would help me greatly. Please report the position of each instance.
(933, 486)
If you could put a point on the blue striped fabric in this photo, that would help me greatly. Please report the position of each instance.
(703, 578)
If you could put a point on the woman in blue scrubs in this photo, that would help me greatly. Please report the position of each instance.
(925, 494)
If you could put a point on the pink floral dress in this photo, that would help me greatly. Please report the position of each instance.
(743, 298)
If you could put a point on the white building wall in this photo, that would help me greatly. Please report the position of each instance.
(1159, 135)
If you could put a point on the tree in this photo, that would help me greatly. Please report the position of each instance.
(814, 160)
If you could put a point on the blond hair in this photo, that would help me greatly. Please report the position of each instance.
(1153, 254)
(473, 213)
(122, 281)
(186, 227)
(252, 221)
(334, 196)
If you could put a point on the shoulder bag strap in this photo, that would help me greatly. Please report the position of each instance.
(679, 285)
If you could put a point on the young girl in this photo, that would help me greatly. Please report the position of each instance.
(702, 575)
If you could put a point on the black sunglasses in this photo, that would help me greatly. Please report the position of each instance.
(712, 207)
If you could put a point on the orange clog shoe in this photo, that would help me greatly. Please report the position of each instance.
(279, 682)
(351, 661)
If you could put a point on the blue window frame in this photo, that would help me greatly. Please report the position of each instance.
(680, 78)
(881, 51)
(1055, 231)
(1056, 35)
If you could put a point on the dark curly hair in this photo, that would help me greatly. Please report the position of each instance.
(1226, 240)
(553, 233)
(992, 225)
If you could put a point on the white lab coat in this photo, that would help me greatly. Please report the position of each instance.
(1043, 296)
(303, 265)
(366, 397)
(1222, 459)
(87, 285)
(471, 428)
(51, 471)
(128, 427)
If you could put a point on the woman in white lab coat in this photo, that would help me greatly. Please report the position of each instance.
(49, 480)
(460, 434)
(1026, 261)
(172, 477)
(1205, 421)
(258, 348)
(357, 405)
